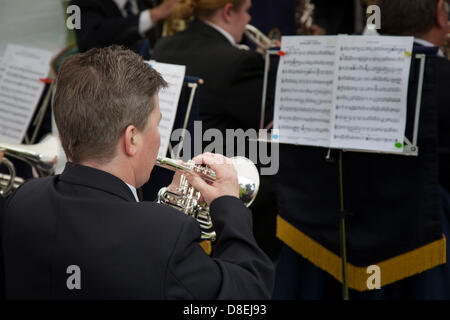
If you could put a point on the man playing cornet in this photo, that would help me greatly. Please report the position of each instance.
(84, 235)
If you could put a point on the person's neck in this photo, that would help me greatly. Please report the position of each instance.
(434, 36)
(219, 23)
(116, 168)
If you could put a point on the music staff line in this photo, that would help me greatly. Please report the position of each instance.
(374, 88)
(295, 62)
(316, 102)
(22, 84)
(306, 119)
(370, 79)
(11, 121)
(14, 98)
(305, 109)
(13, 90)
(16, 106)
(292, 50)
(367, 68)
(12, 113)
(371, 59)
(307, 72)
(371, 108)
(373, 99)
(353, 128)
(373, 49)
(367, 119)
(304, 128)
(303, 81)
(26, 71)
(363, 138)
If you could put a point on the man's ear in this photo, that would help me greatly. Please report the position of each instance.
(227, 12)
(441, 15)
(130, 140)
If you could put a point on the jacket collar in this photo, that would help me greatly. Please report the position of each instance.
(199, 27)
(97, 179)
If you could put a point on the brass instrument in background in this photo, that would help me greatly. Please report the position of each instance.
(304, 16)
(261, 41)
(41, 157)
(178, 20)
(186, 198)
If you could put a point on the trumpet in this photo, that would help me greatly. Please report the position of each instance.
(41, 157)
(186, 198)
(261, 41)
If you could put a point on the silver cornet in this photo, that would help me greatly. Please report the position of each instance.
(41, 157)
(186, 198)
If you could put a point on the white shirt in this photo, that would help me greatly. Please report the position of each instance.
(145, 21)
(133, 189)
(426, 43)
(225, 33)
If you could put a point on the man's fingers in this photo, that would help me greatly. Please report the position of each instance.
(214, 161)
(198, 183)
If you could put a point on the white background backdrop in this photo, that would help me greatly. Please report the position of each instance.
(35, 23)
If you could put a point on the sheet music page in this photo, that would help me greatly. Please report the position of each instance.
(371, 85)
(20, 89)
(304, 90)
(168, 100)
(2, 67)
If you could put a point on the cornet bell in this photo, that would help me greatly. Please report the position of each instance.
(186, 198)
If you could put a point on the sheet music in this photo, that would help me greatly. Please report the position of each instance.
(304, 90)
(371, 85)
(346, 92)
(20, 89)
(2, 67)
(168, 100)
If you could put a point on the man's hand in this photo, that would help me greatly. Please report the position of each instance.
(162, 11)
(226, 183)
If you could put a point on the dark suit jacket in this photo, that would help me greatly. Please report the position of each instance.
(231, 95)
(443, 101)
(102, 25)
(439, 78)
(124, 249)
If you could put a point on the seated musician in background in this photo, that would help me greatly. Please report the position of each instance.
(230, 97)
(135, 24)
(429, 24)
(84, 235)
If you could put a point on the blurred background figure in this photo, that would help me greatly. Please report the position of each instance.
(135, 24)
(431, 31)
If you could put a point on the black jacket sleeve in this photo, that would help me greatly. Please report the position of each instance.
(237, 269)
(100, 28)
